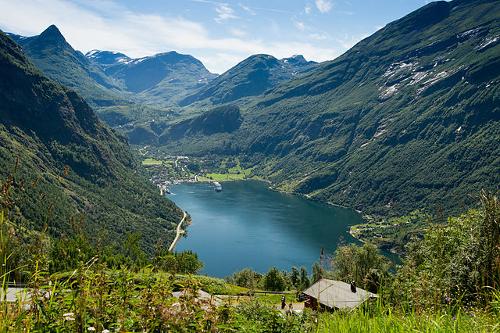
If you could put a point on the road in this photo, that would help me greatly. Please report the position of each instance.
(178, 234)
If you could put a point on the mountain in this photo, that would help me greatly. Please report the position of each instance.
(160, 78)
(407, 118)
(221, 119)
(251, 77)
(107, 58)
(50, 52)
(63, 167)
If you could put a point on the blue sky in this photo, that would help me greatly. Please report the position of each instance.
(219, 33)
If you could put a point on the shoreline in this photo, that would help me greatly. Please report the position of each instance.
(365, 218)
(350, 230)
(179, 232)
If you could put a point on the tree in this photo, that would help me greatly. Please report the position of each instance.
(133, 250)
(362, 264)
(318, 272)
(188, 262)
(304, 279)
(66, 253)
(489, 234)
(245, 278)
(295, 277)
(166, 263)
(456, 261)
(274, 280)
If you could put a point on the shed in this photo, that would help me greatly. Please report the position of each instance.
(335, 295)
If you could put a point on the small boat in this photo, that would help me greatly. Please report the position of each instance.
(217, 187)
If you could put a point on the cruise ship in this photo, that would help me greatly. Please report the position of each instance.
(217, 187)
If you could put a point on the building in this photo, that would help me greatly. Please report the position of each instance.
(336, 295)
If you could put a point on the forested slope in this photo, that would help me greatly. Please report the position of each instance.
(407, 118)
(60, 166)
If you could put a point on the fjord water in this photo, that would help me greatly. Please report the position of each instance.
(249, 225)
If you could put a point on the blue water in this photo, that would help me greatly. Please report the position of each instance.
(249, 225)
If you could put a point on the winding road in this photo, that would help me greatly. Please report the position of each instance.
(179, 233)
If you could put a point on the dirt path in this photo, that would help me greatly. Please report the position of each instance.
(178, 234)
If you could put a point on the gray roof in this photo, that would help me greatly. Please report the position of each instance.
(337, 294)
(201, 295)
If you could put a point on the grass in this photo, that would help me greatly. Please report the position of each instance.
(209, 284)
(213, 285)
(151, 162)
(360, 321)
(221, 177)
(275, 299)
(233, 173)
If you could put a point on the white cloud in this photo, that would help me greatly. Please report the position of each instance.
(219, 62)
(307, 9)
(299, 25)
(318, 36)
(247, 9)
(324, 6)
(108, 25)
(224, 12)
(237, 32)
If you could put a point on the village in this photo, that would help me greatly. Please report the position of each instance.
(169, 170)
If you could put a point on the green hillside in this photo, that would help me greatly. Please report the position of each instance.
(63, 169)
(222, 119)
(403, 120)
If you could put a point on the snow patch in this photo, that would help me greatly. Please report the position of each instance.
(399, 67)
(417, 77)
(388, 92)
(487, 42)
(137, 61)
(379, 132)
(433, 80)
(469, 33)
(92, 54)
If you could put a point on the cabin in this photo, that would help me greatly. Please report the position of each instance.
(334, 295)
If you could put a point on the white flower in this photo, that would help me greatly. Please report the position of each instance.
(91, 328)
(106, 331)
(69, 316)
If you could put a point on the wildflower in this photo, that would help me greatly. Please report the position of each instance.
(106, 331)
(69, 316)
(91, 328)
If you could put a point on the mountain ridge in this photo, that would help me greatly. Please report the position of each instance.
(67, 165)
(160, 78)
(251, 77)
(57, 59)
(399, 121)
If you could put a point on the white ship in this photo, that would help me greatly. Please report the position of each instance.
(217, 187)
